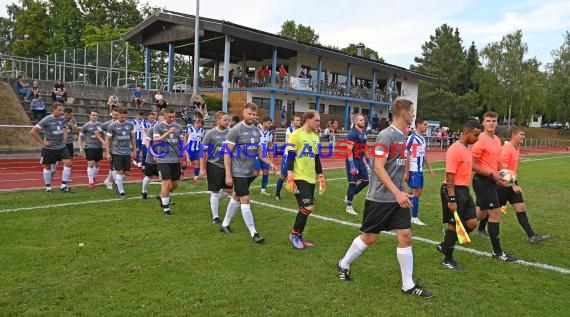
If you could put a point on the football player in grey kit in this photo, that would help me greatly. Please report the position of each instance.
(212, 164)
(120, 143)
(93, 149)
(102, 133)
(168, 135)
(53, 143)
(242, 145)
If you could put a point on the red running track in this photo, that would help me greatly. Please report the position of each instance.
(26, 173)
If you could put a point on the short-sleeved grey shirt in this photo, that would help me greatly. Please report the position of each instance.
(88, 131)
(149, 156)
(174, 142)
(390, 143)
(52, 129)
(69, 131)
(121, 134)
(212, 143)
(246, 140)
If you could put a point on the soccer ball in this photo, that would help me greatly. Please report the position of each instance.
(508, 176)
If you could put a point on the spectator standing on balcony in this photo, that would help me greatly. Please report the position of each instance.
(138, 98)
(266, 76)
(237, 77)
(113, 102)
(282, 74)
(231, 77)
(38, 108)
(23, 88)
(260, 76)
(59, 92)
(302, 74)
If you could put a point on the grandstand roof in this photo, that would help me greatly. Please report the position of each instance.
(173, 27)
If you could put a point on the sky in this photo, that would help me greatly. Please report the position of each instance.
(396, 29)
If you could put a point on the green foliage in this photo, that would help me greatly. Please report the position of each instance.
(558, 96)
(299, 32)
(119, 14)
(368, 52)
(511, 80)
(451, 99)
(214, 103)
(31, 29)
(66, 25)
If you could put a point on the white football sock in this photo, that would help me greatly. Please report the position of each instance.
(406, 260)
(66, 175)
(145, 183)
(248, 218)
(355, 250)
(165, 201)
(90, 174)
(95, 171)
(214, 203)
(47, 176)
(223, 194)
(230, 212)
(119, 181)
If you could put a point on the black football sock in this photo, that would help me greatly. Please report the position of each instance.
(483, 223)
(523, 221)
(448, 243)
(494, 235)
(301, 220)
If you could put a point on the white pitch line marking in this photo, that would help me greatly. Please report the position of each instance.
(289, 210)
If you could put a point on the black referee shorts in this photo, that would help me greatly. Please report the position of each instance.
(507, 194)
(486, 192)
(465, 206)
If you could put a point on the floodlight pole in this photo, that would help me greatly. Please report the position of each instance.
(196, 49)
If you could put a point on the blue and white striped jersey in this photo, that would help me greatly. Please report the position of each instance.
(416, 153)
(288, 132)
(195, 136)
(266, 136)
(139, 128)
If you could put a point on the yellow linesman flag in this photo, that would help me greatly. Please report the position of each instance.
(462, 235)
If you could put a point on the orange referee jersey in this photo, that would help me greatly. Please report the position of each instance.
(459, 161)
(488, 151)
(510, 157)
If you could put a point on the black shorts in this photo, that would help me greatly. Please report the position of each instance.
(216, 178)
(70, 149)
(465, 206)
(169, 171)
(507, 194)
(150, 170)
(384, 216)
(486, 192)
(94, 154)
(241, 185)
(50, 156)
(121, 162)
(306, 193)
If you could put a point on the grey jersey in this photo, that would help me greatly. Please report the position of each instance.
(88, 131)
(68, 124)
(149, 156)
(53, 131)
(121, 134)
(212, 144)
(246, 140)
(390, 143)
(105, 125)
(174, 142)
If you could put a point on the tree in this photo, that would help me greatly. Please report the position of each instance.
(299, 32)
(32, 23)
(6, 33)
(448, 100)
(67, 25)
(368, 52)
(118, 14)
(558, 90)
(510, 80)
